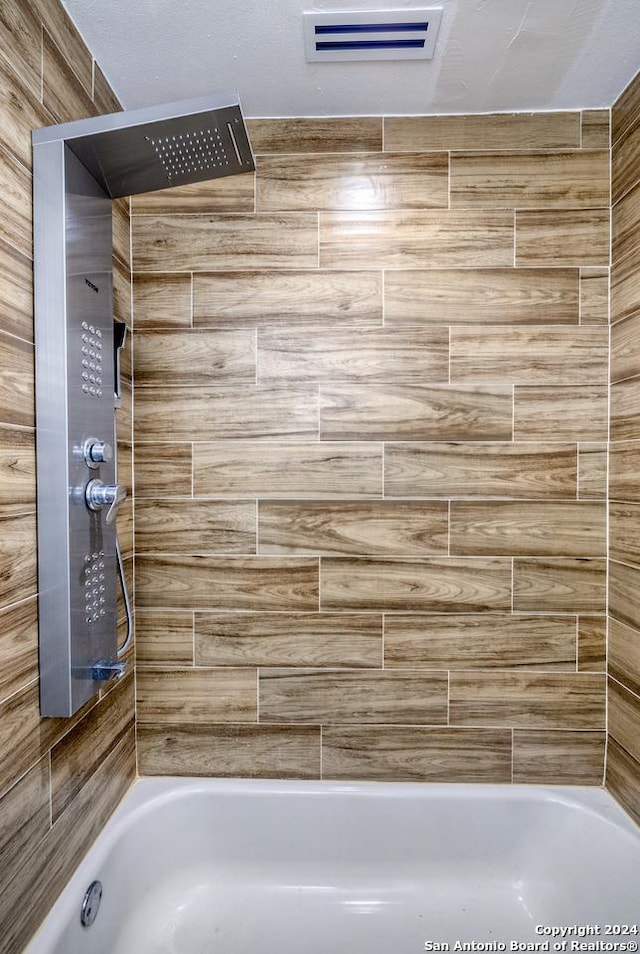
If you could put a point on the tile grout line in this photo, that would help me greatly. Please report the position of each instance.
(193, 638)
(577, 642)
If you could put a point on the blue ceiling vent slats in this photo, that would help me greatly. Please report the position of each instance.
(390, 34)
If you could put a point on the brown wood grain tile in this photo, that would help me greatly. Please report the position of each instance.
(531, 180)
(625, 421)
(491, 131)
(433, 585)
(20, 109)
(624, 590)
(592, 471)
(288, 639)
(164, 638)
(536, 700)
(227, 583)
(163, 470)
(17, 383)
(21, 41)
(195, 526)
(375, 527)
(61, 28)
(18, 646)
(464, 296)
(528, 528)
(355, 412)
(103, 95)
(415, 357)
(17, 471)
(162, 300)
(16, 292)
(625, 351)
(624, 466)
(196, 695)
(229, 194)
(24, 819)
(17, 558)
(623, 778)
(625, 219)
(480, 641)
(472, 469)
(416, 754)
(595, 128)
(414, 239)
(626, 109)
(624, 654)
(625, 286)
(592, 643)
(216, 413)
(624, 718)
(561, 414)
(594, 296)
(543, 757)
(296, 135)
(559, 585)
(47, 870)
(548, 355)
(334, 697)
(625, 163)
(195, 357)
(624, 526)
(121, 293)
(357, 182)
(296, 299)
(81, 752)
(62, 92)
(556, 237)
(124, 413)
(246, 751)
(164, 243)
(258, 468)
(16, 189)
(121, 230)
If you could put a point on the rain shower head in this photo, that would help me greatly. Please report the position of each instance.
(158, 147)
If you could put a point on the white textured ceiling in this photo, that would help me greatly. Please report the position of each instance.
(492, 55)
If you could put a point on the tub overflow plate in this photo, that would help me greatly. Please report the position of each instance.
(91, 904)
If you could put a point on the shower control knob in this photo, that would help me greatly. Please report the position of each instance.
(97, 452)
(99, 495)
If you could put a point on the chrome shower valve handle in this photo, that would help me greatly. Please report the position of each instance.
(99, 495)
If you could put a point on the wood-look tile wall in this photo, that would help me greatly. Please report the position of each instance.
(371, 425)
(59, 778)
(623, 762)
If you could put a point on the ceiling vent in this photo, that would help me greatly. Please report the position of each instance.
(373, 35)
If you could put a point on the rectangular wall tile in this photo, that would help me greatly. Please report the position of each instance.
(164, 243)
(25, 820)
(296, 135)
(558, 757)
(624, 655)
(258, 468)
(594, 296)
(624, 718)
(572, 528)
(313, 696)
(121, 230)
(625, 286)
(431, 585)
(484, 641)
(624, 593)
(416, 357)
(376, 527)
(595, 128)
(16, 388)
(17, 470)
(624, 467)
(18, 646)
(195, 526)
(561, 414)
(162, 300)
(62, 92)
(164, 638)
(624, 528)
(67, 38)
(528, 700)
(626, 110)
(20, 108)
(288, 639)
(163, 470)
(473, 469)
(222, 751)
(227, 583)
(562, 238)
(21, 42)
(592, 471)
(15, 188)
(230, 194)
(493, 296)
(103, 96)
(294, 299)
(374, 181)
(569, 180)
(625, 217)
(216, 413)
(16, 292)
(491, 131)
(196, 695)
(416, 413)
(625, 163)
(175, 358)
(554, 356)
(415, 239)
(625, 423)
(592, 643)
(625, 354)
(559, 585)
(623, 778)
(414, 754)
(17, 558)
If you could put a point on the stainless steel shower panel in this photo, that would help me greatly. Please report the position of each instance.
(74, 374)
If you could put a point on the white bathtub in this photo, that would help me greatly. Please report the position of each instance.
(205, 866)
